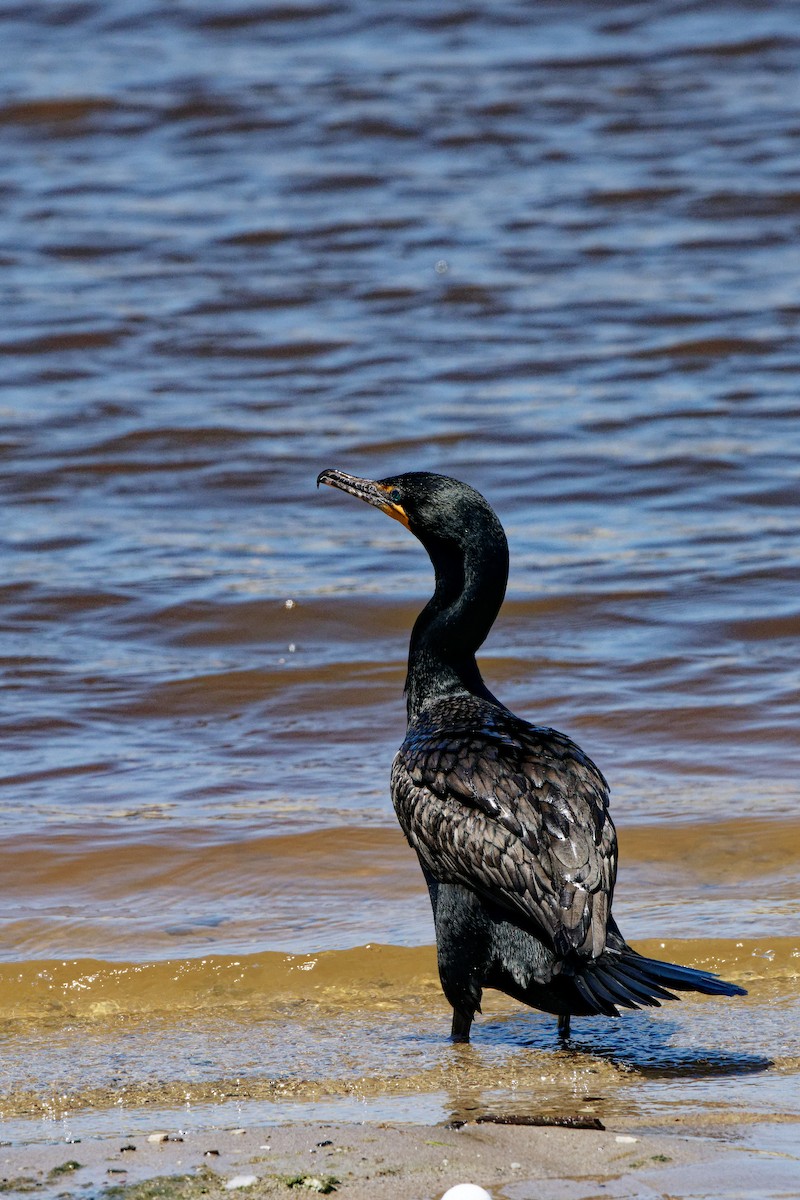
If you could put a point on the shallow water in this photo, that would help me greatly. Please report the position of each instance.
(553, 253)
(268, 1035)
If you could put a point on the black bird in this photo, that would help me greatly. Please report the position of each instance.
(509, 820)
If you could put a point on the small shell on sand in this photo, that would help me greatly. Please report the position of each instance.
(466, 1191)
(241, 1181)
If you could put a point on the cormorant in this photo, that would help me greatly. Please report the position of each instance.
(509, 820)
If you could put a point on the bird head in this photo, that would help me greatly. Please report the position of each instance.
(438, 510)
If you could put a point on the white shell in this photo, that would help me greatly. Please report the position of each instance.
(466, 1191)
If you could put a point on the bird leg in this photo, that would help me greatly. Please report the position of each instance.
(461, 1026)
(563, 1027)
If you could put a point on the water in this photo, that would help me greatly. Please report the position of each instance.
(552, 252)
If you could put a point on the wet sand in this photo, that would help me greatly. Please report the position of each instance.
(416, 1162)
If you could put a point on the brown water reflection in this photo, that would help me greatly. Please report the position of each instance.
(156, 893)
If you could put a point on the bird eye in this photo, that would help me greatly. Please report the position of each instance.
(394, 496)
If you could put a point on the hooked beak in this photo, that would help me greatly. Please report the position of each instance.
(369, 490)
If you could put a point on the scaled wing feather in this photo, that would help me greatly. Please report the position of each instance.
(514, 812)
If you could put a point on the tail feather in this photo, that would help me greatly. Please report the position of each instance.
(683, 979)
(629, 979)
(594, 1003)
(647, 988)
(603, 985)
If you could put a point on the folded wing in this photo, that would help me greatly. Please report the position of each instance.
(514, 812)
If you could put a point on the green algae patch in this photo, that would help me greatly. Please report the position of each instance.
(175, 1187)
(22, 1183)
(65, 1168)
(210, 1186)
(315, 1183)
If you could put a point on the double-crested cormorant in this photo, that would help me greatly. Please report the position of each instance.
(509, 820)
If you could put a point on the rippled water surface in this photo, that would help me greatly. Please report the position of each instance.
(551, 250)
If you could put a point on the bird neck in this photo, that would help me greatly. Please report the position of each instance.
(469, 591)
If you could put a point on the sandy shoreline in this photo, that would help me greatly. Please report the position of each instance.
(368, 1106)
(416, 1162)
(341, 1075)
